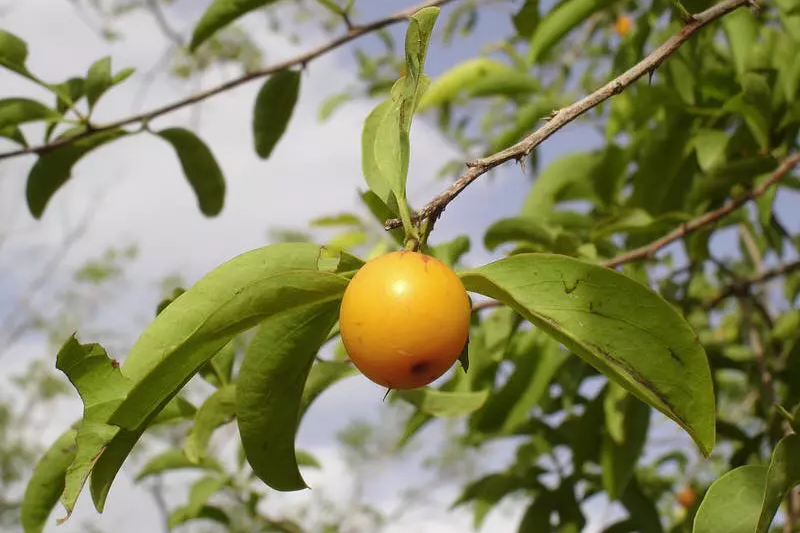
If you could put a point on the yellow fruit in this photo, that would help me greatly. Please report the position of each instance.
(404, 319)
(623, 25)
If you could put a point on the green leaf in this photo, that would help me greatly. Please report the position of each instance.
(98, 80)
(13, 133)
(219, 368)
(47, 483)
(565, 17)
(642, 510)
(175, 459)
(14, 54)
(527, 18)
(741, 28)
(231, 298)
(184, 514)
(620, 327)
(418, 36)
(323, 375)
(511, 83)
(461, 78)
(274, 106)
(443, 404)
(783, 474)
(392, 150)
(331, 103)
(15, 111)
(217, 410)
(452, 251)
(733, 502)
(199, 494)
(527, 229)
(54, 168)
(710, 146)
(566, 178)
(270, 388)
(200, 168)
(487, 491)
(102, 389)
(219, 14)
(378, 184)
(382, 213)
(619, 456)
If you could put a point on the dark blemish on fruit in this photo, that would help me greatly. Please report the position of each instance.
(425, 258)
(420, 367)
(114, 363)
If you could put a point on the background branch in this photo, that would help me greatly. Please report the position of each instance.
(743, 286)
(564, 116)
(301, 60)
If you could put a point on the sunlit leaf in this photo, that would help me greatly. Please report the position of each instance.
(15, 111)
(219, 14)
(47, 483)
(615, 324)
(175, 459)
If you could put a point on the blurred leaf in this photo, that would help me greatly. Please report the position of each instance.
(219, 14)
(200, 168)
(98, 80)
(741, 29)
(563, 18)
(14, 54)
(619, 457)
(566, 178)
(451, 252)
(644, 516)
(15, 111)
(504, 83)
(217, 410)
(710, 146)
(323, 375)
(47, 483)
(174, 459)
(13, 133)
(620, 327)
(331, 103)
(54, 168)
(181, 515)
(199, 494)
(443, 404)
(487, 492)
(527, 229)
(382, 213)
(462, 77)
(270, 388)
(274, 106)
(783, 474)
(733, 502)
(527, 18)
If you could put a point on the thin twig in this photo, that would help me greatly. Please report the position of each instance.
(163, 23)
(564, 116)
(300, 60)
(711, 217)
(743, 286)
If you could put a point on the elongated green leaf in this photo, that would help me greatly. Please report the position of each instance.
(175, 460)
(199, 494)
(462, 78)
(615, 324)
(47, 483)
(218, 409)
(178, 409)
(561, 20)
(13, 133)
(642, 510)
(527, 18)
(200, 168)
(566, 178)
(418, 36)
(528, 229)
(54, 168)
(98, 80)
(270, 388)
(442, 403)
(487, 491)
(274, 106)
(619, 456)
(219, 368)
(783, 474)
(322, 375)
(232, 298)
(219, 14)
(102, 388)
(15, 111)
(377, 183)
(13, 53)
(184, 514)
(741, 29)
(392, 150)
(733, 502)
(510, 83)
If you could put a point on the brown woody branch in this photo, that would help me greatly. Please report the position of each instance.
(743, 287)
(711, 217)
(354, 32)
(564, 116)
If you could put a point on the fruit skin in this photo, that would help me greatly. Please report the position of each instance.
(686, 496)
(404, 319)
(623, 25)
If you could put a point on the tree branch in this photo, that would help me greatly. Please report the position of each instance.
(743, 286)
(711, 217)
(301, 60)
(566, 115)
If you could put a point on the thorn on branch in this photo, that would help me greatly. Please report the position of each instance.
(473, 163)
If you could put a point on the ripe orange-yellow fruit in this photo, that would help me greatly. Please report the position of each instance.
(686, 496)
(404, 319)
(623, 25)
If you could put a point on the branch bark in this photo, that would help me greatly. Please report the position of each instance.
(743, 286)
(564, 116)
(711, 217)
(352, 34)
